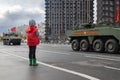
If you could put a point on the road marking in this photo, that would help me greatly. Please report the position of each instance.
(85, 55)
(102, 58)
(54, 52)
(112, 68)
(57, 68)
(54, 45)
(47, 51)
(109, 67)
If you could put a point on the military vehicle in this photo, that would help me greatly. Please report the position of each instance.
(96, 37)
(11, 38)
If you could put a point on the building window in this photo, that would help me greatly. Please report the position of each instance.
(106, 8)
(106, 14)
(111, 15)
(111, 2)
(117, 2)
(106, 2)
(111, 20)
(111, 8)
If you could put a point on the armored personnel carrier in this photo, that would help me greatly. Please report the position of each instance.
(11, 38)
(96, 37)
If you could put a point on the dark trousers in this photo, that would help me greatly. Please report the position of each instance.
(32, 51)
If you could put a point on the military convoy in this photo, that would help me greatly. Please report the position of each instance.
(11, 38)
(95, 37)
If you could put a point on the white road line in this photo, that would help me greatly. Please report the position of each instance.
(57, 68)
(109, 67)
(91, 56)
(54, 52)
(112, 68)
(85, 55)
(102, 58)
(46, 51)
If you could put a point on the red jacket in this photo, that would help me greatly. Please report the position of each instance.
(32, 38)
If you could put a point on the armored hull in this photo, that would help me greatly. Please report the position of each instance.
(11, 39)
(98, 38)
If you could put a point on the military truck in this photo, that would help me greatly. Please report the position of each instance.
(96, 37)
(11, 38)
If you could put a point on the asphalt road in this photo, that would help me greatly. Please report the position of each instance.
(57, 62)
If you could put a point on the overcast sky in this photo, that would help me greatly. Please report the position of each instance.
(17, 12)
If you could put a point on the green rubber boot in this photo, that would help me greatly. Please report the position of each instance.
(30, 62)
(34, 63)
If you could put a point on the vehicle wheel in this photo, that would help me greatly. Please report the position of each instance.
(4, 43)
(111, 46)
(7, 43)
(11, 43)
(75, 45)
(18, 43)
(98, 45)
(84, 45)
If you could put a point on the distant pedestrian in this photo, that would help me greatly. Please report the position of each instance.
(32, 41)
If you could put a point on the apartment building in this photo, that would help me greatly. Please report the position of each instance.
(62, 15)
(106, 11)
